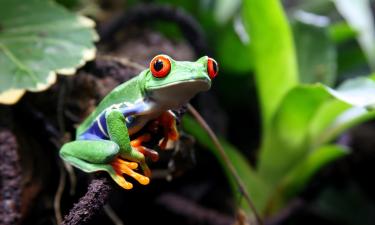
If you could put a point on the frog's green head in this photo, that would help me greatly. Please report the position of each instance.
(173, 83)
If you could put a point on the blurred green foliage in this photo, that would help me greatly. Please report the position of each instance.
(304, 59)
(287, 51)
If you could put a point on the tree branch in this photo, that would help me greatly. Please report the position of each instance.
(91, 203)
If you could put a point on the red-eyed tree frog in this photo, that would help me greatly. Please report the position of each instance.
(103, 139)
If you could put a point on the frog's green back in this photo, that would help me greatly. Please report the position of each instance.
(129, 91)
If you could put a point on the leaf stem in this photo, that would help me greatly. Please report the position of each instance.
(226, 159)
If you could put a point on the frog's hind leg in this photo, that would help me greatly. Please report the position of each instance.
(100, 155)
(89, 155)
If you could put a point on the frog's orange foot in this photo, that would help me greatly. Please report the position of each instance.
(123, 167)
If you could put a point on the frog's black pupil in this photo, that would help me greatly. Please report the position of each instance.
(158, 65)
(214, 67)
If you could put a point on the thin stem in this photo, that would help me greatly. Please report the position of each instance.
(58, 195)
(226, 159)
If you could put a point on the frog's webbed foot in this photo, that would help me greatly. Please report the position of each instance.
(170, 132)
(122, 167)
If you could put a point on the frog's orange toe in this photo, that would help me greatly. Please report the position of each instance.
(123, 167)
(131, 165)
(120, 180)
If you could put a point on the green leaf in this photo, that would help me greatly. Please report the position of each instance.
(315, 50)
(291, 123)
(359, 16)
(256, 187)
(287, 143)
(302, 172)
(323, 119)
(37, 39)
(273, 53)
(353, 105)
(309, 116)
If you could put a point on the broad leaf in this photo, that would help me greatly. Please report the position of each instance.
(273, 52)
(37, 39)
(309, 116)
(323, 119)
(287, 143)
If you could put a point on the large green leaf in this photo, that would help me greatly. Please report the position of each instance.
(309, 116)
(255, 186)
(287, 143)
(358, 14)
(315, 50)
(37, 39)
(273, 53)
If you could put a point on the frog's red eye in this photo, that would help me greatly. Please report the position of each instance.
(160, 66)
(212, 68)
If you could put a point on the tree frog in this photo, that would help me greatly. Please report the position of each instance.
(103, 141)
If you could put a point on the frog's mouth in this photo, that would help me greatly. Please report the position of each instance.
(174, 95)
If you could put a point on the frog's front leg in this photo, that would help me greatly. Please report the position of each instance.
(101, 155)
(118, 133)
